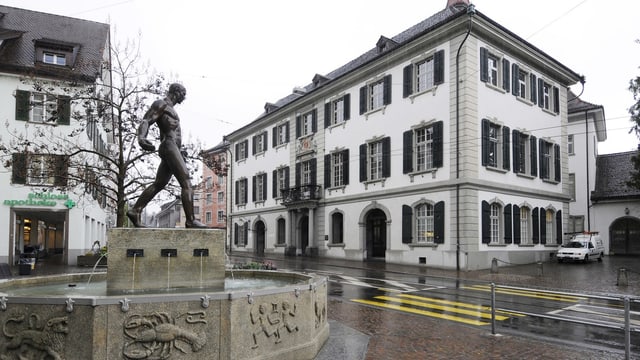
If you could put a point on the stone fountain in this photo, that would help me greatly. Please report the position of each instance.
(164, 298)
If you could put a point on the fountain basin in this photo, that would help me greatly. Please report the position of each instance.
(286, 321)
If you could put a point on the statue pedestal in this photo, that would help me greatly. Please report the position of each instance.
(142, 260)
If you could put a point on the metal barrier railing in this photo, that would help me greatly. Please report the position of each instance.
(626, 300)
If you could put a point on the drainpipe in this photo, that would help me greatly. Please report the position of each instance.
(471, 10)
(586, 132)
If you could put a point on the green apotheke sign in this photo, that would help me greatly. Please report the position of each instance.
(42, 199)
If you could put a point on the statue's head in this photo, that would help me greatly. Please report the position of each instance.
(177, 92)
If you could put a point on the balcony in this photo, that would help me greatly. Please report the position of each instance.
(301, 195)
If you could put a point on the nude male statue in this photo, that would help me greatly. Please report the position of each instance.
(172, 162)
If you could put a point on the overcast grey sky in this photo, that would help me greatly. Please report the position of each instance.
(234, 56)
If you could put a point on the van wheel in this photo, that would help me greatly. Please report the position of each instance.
(586, 258)
(600, 257)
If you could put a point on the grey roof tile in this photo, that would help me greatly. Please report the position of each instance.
(613, 171)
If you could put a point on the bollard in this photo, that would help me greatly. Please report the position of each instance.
(623, 279)
(494, 266)
(540, 272)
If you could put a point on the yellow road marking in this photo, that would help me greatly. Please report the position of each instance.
(532, 294)
(421, 312)
(457, 310)
(457, 304)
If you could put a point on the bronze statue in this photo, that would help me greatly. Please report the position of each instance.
(172, 161)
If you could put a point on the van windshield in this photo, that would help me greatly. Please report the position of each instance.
(575, 244)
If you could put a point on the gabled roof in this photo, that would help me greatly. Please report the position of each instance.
(576, 106)
(613, 171)
(21, 30)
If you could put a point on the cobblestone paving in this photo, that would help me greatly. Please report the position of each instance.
(398, 336)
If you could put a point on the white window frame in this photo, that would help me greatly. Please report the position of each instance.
(307, 124)
(495, 144)
(495, 223)
(305, 173)
(209, 198)
(242, 191)
(374, 161)
(281, 134)
(525, 224)
(208, 217)
(281, 181)
(570, 144)
(220, 216)
(424, 73)
(524, 84)
(44, 108)
(550, 225)
(524, 154)
(259, 187)
(375, 95)
(548, 160)
(424, 223)
(41, 170)
(220, 197)
(337, 111)
(242, 151)
(337, 169)
(260, 143)
(423, 148)
(49, 57)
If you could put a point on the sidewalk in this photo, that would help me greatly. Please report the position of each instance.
(360, 332)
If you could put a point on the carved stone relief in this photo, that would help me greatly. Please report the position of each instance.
(273, 323)
(33, 338)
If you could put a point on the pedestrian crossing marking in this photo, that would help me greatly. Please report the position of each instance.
(451, 309)
(401, 287)
(421, 312)
(457, 304)
(528, 293)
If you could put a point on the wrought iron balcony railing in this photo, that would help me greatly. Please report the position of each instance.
(301, 194)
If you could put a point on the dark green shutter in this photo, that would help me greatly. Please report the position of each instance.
(327, 114)
(407, 81)
(438, 67)
(484, 64)
(23, 105)
(61, 170)
(274, 186)
(274, 136)
(534, 93)
(386, 157)
(506, 148)
(363, 100)
(327, 171)
(556, 160)
(235, 234)
(297, 184)
(515, 85)
(543, 226)
(253, 188)
(407, 224)
(314, 121)
(345, 166)
(19, 168)
(64, 110)
(486, 222)
(438, 144)
(485, 142)
(535, 220)
(556, 100)
(559, 227)
(534, 153)
(508, 221)
(347, 107)
(298, 126)
(505, 75)
(541, 93)
(516, 224)
(386, 85)
(314, 171)
(407, 153)
(363, 163)
(516, 151)
(438, 223)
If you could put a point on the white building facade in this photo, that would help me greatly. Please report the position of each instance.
(43, 212)
(444, 145)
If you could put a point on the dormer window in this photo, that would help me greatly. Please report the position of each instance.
(54, 58)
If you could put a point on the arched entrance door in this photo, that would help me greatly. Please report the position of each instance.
(376, 235)
(304, 233)
(260, 237)
(625, 237)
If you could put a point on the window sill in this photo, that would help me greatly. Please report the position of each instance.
(497, 245)
(423, 245)
(495, 87)
(526, 245)
(336, 189)
(259, 154)
(341, 245)
(524, 101)
(283, 145)
(367, 183)
(373, 111)
(549, 181)
(526, 176)
(341, 124)
(431, 90)
(491, 168)
(423, 173)
(280, 245)
(549, 112)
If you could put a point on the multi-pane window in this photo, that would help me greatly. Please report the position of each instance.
(241, 191)
(281, 134)
(208, 217)
(282, 231)
(423, 74)
(494, 69)
(545, 100)
(259, 143)
(260, 187)
(495, 145)
(337, 110)
(242, 150)
(549, 160)
(220, 179)
(549, 225)
(42, 108)
(220, 216)
(209, 198)
(525, 236)
(220, 197)
(375, 95)
(337, 228)
(494, 226)
(208, 183)
(524, 153)
(280, 181)
(548, 96)
(241, 234)
(306, 123)
(53, 58)
(522, 84)
(572, 186)
(375, 160)
(422, 148)
(337, 169)
(41, 170)
(305, 173)
(424, 222)
(570, 145)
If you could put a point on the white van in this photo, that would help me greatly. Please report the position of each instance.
(582, 247)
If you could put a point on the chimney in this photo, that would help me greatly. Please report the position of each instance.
(456, 3)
